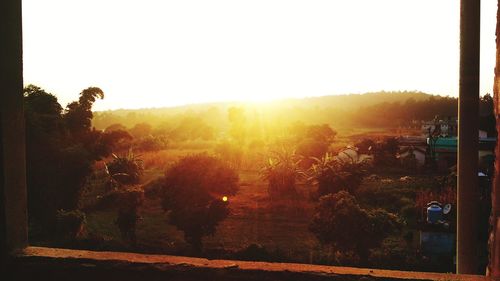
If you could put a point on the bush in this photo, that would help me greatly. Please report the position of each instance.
(365, 146)
(151, 143)
(331, 175)
(323, 133)
(129, 202)
(409, 213)
(126, 169)
(385, 152)
(395, 254)
(192, 194)
(116, 140)
(388, 194)
(310, 149)
(69, 225)
(281, 172)
(153, 189)
(254, 252)
(342, 223)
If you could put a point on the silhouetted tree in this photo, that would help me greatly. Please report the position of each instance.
(309, 149)
(128, 202)
(140, 130)
(323, 133)
(151, 143)
(78, 114)
(105, 143)
(192, 128)
(342, 223)
(115, 127)
(312, 141)
(487, 120)
(192, 194)
(60, 151)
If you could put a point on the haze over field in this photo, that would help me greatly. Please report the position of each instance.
(369, 110)
(168, 53)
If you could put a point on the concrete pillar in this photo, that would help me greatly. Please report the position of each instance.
(494, 241)
(468, 140)
(13, 186)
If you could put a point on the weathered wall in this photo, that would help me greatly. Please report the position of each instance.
(36, 263)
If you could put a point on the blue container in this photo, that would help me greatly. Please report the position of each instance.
(434, 213)
(437, 243)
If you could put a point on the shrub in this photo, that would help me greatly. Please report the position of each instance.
(310, 149)
(281, 172)
(389, 194)
(129, 202)
(254, 252)
(153, 189)
(446, 196)
(141, 130)
(192, 193)
(69, 224)
(339, 221)
(115, 140)
(365, 146)
(331, 174)
(385, 152)
(323, 133)
(409, 213)
(126, 169)
(151, 143)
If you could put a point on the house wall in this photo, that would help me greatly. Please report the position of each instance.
(420, 156)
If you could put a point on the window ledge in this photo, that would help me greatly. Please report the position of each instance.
(65, 264)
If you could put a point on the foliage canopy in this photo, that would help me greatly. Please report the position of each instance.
(192, 192)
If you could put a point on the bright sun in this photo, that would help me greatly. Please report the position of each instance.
(183, 52)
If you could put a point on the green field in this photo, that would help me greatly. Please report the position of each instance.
(278, 227)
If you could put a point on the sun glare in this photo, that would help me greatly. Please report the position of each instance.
(331, 125)
(183, 52)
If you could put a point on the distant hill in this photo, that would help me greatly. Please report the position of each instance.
(335, 109)
(350, 101)
(355, 101)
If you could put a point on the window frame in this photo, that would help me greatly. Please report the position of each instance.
(17, 253)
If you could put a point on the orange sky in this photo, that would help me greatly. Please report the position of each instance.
(163, 53)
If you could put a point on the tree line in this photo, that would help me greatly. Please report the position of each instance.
(379, 110)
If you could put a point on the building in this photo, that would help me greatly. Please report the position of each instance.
(443, 150)
(442, 127)
(416, 153)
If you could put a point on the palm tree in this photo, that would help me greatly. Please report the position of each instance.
(125, 169)
(332, 174)
(281, 172)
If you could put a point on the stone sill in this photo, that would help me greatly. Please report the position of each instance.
(63, 264)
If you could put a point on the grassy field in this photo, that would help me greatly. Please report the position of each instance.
(279, 226)
(279, 229)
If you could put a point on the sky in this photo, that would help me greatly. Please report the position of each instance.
(155, 53)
